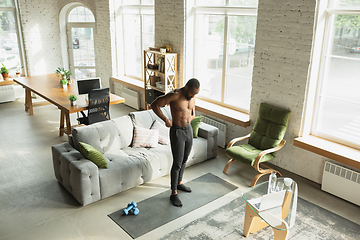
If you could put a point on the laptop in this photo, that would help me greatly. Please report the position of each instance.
(268, 201)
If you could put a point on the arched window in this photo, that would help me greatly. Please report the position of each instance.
(80, 36)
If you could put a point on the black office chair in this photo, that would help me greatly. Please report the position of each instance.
(98, 109)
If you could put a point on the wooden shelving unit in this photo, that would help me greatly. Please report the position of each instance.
(167, 74)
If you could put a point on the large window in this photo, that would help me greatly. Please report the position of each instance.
(9, 37)
(224, 51)
(337, 108)
(80, 31)
(135, 23)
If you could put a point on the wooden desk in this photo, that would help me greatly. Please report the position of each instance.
(48, 87)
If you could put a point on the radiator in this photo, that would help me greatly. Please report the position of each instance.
(341, 182)
(222, 130)
(7, 93)
(131, 98)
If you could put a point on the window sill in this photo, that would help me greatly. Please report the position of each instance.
(129, 82)
(338, 152)
(229, 115)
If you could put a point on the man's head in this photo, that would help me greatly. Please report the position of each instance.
(192, 88)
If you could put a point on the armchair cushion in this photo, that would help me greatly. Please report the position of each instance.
(247, 154)
(270, 127)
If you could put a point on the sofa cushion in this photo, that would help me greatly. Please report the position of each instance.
(145, 137)
(105, 136)
(124, 172)
(146, 118)
(163, 132)
(125, 128)
(93, 155)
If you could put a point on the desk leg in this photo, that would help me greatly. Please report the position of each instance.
(61, 129)
(281, 234)
(68, 124)
(253, 222)
(28, 101)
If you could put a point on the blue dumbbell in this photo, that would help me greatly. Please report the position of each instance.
(131, 206)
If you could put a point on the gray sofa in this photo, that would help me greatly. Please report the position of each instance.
(127, 167)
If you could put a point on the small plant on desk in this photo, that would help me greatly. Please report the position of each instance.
(63, 73)
(4, 72)
(73, 99)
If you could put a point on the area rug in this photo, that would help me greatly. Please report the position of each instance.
(158, 210)
(227, 222)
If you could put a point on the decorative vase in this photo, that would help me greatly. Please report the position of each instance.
(5, 76)
(64, 86)
(72, 103)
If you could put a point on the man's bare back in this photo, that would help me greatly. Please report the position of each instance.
(182, 105)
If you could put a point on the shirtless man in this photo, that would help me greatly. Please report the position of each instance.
(182, 105)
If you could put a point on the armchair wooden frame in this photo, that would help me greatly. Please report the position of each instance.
(257, 163)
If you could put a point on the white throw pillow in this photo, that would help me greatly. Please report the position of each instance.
(163, 132)
(145, 137)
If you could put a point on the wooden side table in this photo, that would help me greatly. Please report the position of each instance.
(280, 218)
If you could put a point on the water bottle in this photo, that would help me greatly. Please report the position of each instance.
(272, 182)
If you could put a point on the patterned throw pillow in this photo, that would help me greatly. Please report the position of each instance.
(163, 132)
(145, 137)
(93, 155)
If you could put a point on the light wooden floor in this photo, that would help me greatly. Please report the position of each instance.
(34, 206)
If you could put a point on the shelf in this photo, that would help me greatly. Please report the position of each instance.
(152, 87)
(154, 70)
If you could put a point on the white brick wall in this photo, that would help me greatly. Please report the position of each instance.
(170, 29)
(40, 26)
(282, 57)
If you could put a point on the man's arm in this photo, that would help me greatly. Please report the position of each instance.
(193, 113)
(161, 102)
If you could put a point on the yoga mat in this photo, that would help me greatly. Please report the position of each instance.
(158, 210)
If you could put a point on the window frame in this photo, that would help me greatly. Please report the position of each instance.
(322, 43)
(15, 10)
(120, 13)
(227, 11)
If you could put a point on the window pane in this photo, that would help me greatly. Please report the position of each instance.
(132, 45)
(210, 2)
(346, 3)
(240, 58)
(339, 119)
(81, 14)
(243, 3)
(7, 3)
(9, 49)
(147, 2)
(131, 2)
(339, 99)
(83, 46)
(148, 31)
(209, 55)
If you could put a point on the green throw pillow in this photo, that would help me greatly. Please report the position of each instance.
(195, 123)
(93, 155)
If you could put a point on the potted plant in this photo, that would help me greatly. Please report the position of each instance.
(73, 99)
(18, 71)
(63, 74)
(64, 83)
(4, 72)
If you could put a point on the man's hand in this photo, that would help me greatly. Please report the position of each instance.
(168, 123)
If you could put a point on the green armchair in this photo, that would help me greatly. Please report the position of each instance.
(265, 140)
